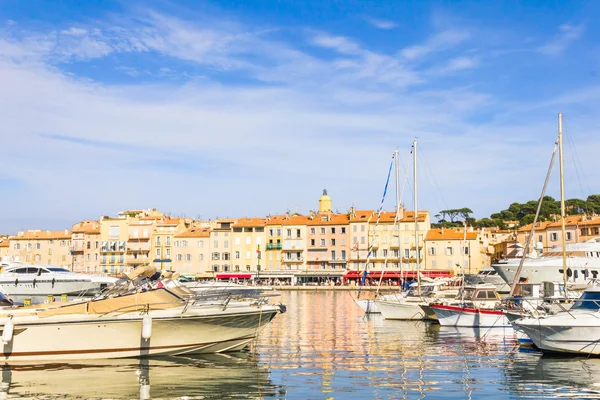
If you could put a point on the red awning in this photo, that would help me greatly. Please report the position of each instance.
(234, 276)
(396, 274)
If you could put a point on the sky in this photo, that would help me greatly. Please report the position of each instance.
(219, 109)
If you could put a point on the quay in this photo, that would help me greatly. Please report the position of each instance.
(315, 288)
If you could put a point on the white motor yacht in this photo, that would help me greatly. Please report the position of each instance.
(21, 280)
(408, 306)
(137, 317)
(575, 330)
(583, 264)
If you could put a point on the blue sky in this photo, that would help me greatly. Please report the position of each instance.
(231, 108)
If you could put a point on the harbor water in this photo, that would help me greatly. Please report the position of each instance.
(324, 347)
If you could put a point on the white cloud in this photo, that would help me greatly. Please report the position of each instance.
(438, 42)
(206, 147)
(567, 35)
(382, 23)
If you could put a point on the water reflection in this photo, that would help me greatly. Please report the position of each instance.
(531, 374)
(207, 377)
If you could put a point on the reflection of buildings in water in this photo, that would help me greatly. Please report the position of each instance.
(208, 375)
(531, 374)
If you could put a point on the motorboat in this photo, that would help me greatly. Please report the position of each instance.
(478, 306)
(489, 276)
(37, 282)
(408, 305)
(141, 315)
(575, 330)
(583, 264)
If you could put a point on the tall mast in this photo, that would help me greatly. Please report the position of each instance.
(397, 168)
(416, 218)
(562, 200)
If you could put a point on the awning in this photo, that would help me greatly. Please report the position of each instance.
(396, 274)
(234, 276)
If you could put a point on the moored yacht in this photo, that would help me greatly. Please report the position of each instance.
(477, 307)
(583, 264)
(571, 331)
(20, 280)
(139, 316)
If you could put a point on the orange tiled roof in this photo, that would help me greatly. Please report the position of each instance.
(361, 215)
(449, 234)
(295, 220)
(592, 221)
(86, 226)
(249, 222)
(194, 232)
(274, 219)
(540, 226)
(388, 216)
(42, 235)
(329, 219)
(4, 242)
(569, 220)
(170, 221)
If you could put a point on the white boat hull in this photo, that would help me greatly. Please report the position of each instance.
(195, 330)
(401, 309)
(469, 317)
(368, 306)
(567, 338)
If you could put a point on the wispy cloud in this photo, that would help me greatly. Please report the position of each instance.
(567, 35)
(381, 23)
(438, 42)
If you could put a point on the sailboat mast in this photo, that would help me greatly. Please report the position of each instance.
(397, 168)
(416, 218)
(562, 200)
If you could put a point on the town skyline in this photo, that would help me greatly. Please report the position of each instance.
(225, 110)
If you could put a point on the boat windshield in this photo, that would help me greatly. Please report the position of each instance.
(588, 301)
(57, 269)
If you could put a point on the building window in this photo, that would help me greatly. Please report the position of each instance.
(158, 240)
(178, 257)
(168, 253)
(289, 233)
(168, 240)
(343, 230)
(216, 256)
(322, 242)
(343, 254)
(200, 243)
(188, 257)
(362, 240)
(568, 235)
(312, 231)
(114, 231)
(226, 244)
(333, 230)
(216, 244)
(201, 257)
(237, 255)
(448, 251)
(333, 254)
(176, 243)
(157, 252)
(225, 256)
(322, 231)
(215, 268)
(333, 242)
(554, 236)
(432, 251)
(37, 245)
(312, 242)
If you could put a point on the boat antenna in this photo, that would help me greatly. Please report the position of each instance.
(513, 285)
(562, 200)
(416, 218)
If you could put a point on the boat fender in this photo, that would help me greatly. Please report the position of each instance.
(146, 327)
(33, 282)
(7, 334)
(53, 282)
(16, 281)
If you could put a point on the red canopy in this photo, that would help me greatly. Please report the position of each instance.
(396, 274)
(232, 276)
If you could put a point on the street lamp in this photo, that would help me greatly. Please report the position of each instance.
(258, 265)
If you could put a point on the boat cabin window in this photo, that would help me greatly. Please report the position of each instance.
(468, 294)
(588, 301)
(25, 270)
(57, 269)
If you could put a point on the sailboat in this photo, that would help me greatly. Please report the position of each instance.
(407, 306)
(577, 329)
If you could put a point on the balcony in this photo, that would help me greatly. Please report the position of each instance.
(274, 246)
(138, 239)
(134, 250)
(294, 260)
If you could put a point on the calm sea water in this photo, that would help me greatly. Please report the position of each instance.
(325, 348)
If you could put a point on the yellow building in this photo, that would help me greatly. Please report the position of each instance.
(249, 253)
(220, 245)
(294, 251)
(448, 250)
(43, 247)
(274, 243)
(191, 250)
(163, 240)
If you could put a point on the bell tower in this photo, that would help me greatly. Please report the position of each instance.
(325, 202)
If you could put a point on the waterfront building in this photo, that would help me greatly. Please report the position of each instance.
(589, 228)
(220, 245)
(113, 242)
(163, 239)
(85, 246)
(578, 228)
(191, 250)
(42, 247)
(4, 246)
(274, 245)
(248, 247)
(139, 237)
(328, 244)
(294, 229)
(452, 249)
